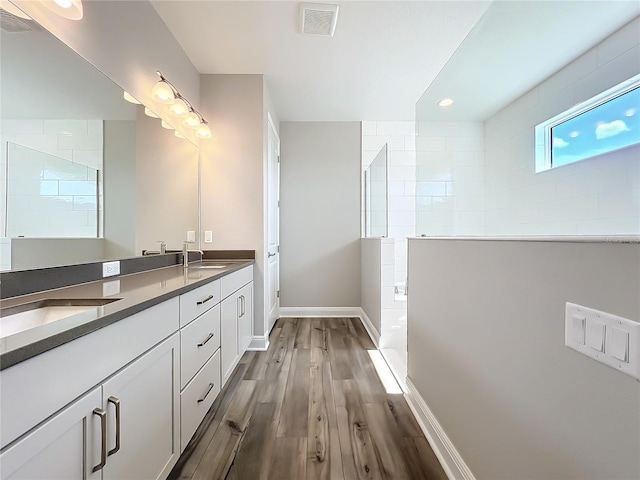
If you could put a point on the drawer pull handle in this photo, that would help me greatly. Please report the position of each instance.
(116, 402)
(210, 297)
(103, 447)
(206, 394)
(206, 340)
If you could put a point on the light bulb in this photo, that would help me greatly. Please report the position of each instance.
(445, 102)
(166, 125)
(179, 108)
(203, 131)
(131, 99)
(163, 93)
(149, 113)
(71, 9)
(191, 119)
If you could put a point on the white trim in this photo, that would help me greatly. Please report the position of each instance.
(334, 312)
(449, 458)
(259, 343)
(370, 328)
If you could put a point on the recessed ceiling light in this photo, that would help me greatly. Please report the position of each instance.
(445, 102)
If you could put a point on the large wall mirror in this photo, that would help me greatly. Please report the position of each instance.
(84, 174)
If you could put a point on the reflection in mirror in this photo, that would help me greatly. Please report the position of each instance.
(84, 175)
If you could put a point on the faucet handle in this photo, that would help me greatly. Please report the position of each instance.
(163, 246)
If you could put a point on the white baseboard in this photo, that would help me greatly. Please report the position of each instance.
(259, 343)
(371, 330)
(333, 312)
(449, 458)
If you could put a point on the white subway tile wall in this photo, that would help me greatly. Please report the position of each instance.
(598, 196)
(48, 196)
(450, 178)
(400, 138)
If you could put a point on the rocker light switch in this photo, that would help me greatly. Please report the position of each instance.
(595, 335)
(620, 344)
(577, 328)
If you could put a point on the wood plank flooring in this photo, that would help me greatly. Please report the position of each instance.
(311, 407)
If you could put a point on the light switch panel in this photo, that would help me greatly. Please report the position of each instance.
(606, 338)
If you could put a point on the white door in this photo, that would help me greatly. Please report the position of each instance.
(273, 227)
(142, 405)
(245, 318)
(67, 447)
(230, 309)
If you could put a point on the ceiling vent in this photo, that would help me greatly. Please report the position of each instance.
(318, 18)
(12, 23)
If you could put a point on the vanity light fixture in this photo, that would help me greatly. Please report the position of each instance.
(166, 93)
(166, 125)
(178, 134)
(445, 102)
(71, 9)
(131, 99)
(149, 113)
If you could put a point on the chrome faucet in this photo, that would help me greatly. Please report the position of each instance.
(163, 247)
(185, 253)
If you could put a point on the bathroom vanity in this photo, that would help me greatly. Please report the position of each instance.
(117, 389)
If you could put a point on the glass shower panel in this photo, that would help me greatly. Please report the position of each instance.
(376, 202)
(48, 196)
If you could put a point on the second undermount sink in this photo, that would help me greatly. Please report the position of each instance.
(26, 316)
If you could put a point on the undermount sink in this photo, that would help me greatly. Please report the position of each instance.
(23, 317)
(209, 266)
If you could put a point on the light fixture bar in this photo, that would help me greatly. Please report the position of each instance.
(166, 93)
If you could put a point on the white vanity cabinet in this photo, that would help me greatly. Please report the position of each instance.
(200, 356)
(127, 427)
(236, 327)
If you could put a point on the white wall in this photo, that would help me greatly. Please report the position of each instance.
(597, 196)
(449, 178)
(320, 214)
(487, 354)
(400, 138)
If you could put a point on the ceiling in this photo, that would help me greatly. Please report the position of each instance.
(384, 54)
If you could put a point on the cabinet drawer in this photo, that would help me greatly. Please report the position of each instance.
(198, 301)
(198, 397)
(236, 280)
(198, 341)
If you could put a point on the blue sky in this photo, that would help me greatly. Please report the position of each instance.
(610, 126)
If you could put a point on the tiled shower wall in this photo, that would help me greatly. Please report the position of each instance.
(400, 139)
(597, 196)
(67, 210)
(449, 178)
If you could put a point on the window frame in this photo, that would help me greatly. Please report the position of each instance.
(543, 131)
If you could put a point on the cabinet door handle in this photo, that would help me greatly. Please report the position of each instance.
(103, 447)
(116, 402)
(239, 305)
(244, 305)
(271, 255)
(202, 344)
(210, 297)
(207, 393)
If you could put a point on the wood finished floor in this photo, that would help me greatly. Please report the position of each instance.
(311, 407)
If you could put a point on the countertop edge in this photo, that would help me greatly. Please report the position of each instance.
(20, 354)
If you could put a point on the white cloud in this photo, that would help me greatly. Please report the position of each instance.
(559, 142)
(611, 129)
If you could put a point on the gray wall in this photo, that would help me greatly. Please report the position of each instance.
(232, 171)
(370, 276)
(487, 354)
(28, 253)
(320, 214)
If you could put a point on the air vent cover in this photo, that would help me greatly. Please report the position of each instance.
(12, 23)
(318, 18)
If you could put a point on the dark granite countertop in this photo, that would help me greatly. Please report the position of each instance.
(136, 292)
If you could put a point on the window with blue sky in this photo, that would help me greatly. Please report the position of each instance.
(607, 122)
